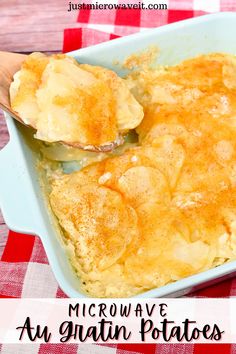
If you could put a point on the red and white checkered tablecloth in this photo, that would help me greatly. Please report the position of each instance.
(24, 268)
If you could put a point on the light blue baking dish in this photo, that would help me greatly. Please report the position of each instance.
(21, 199)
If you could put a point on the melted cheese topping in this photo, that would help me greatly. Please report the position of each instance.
(74, 103)
(165, 209)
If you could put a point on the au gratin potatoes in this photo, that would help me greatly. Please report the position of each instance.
(164, 208)
(79, 104)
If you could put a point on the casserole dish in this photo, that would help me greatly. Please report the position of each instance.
(21, 199)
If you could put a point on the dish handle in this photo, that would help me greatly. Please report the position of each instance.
(15, 209)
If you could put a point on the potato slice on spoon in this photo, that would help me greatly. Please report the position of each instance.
(80, 105)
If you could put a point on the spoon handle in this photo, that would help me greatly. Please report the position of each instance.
(10, 63)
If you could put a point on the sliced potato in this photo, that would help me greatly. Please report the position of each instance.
(81, 105)
(144, 184)
(96, 219)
